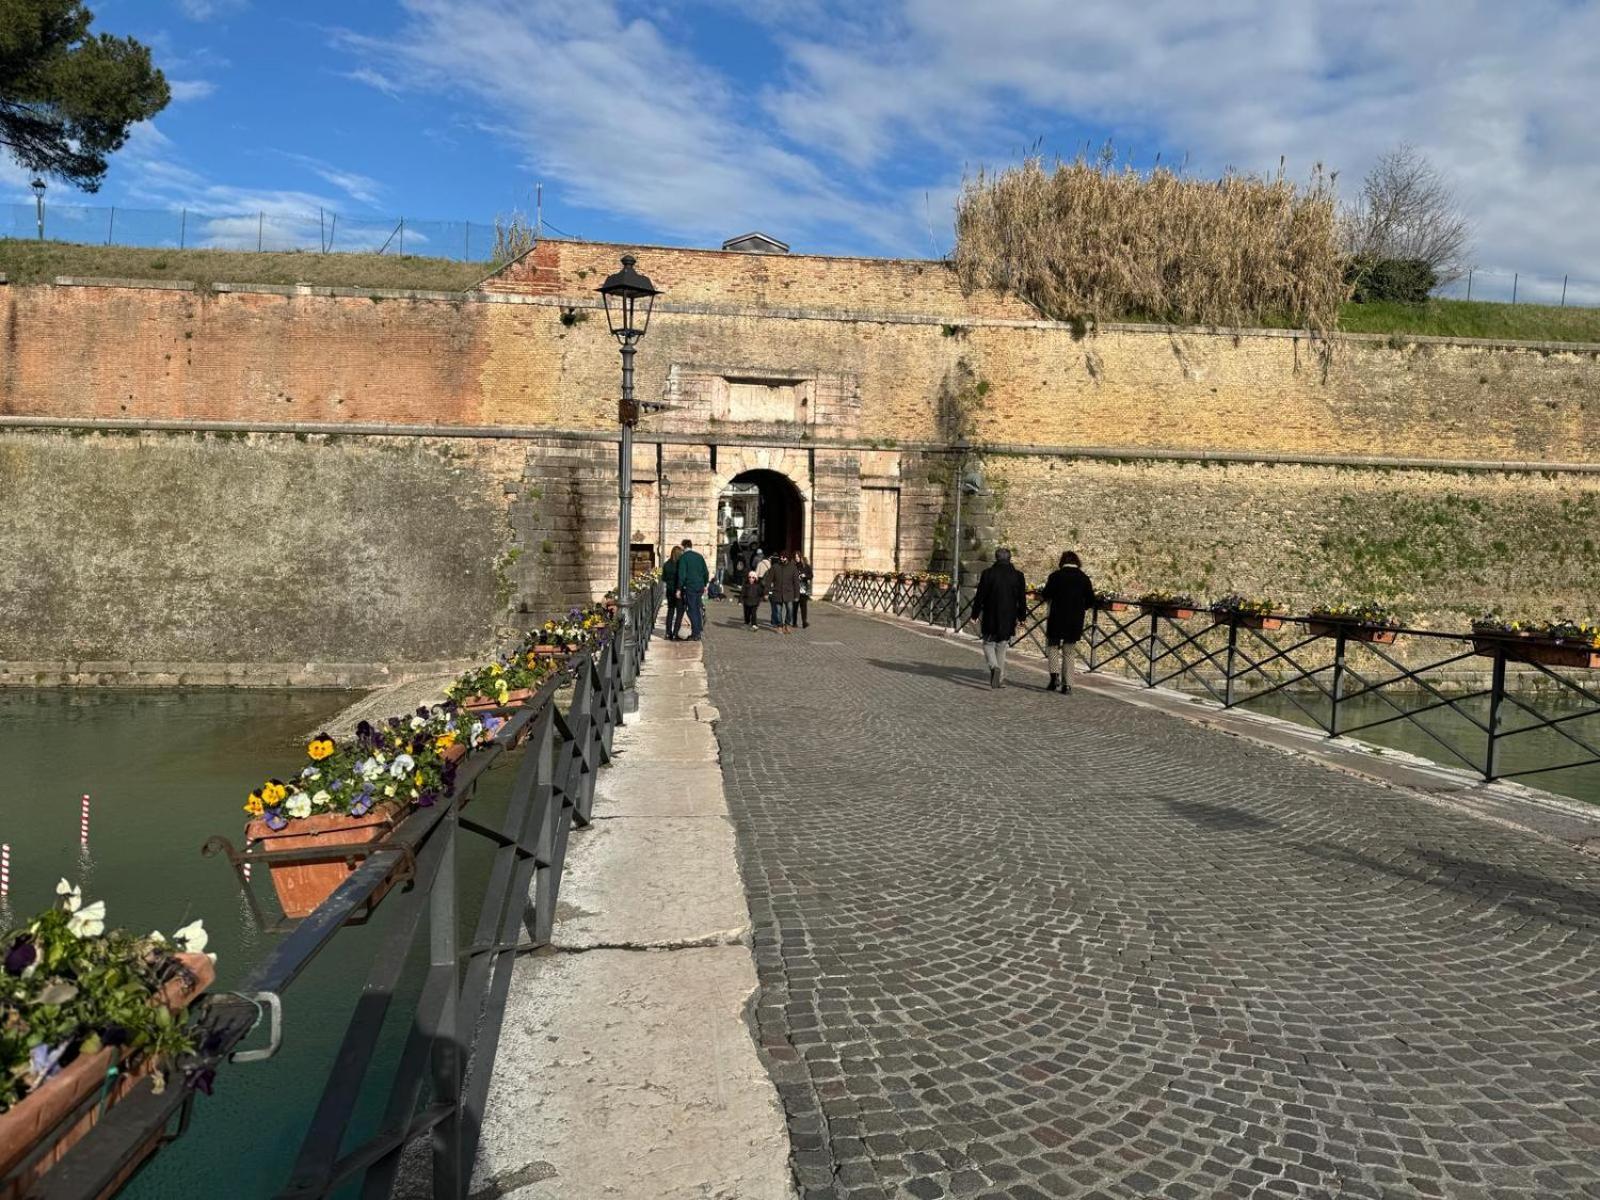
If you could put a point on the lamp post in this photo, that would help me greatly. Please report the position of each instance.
(965, 486)
(628, 320)
(38, 204)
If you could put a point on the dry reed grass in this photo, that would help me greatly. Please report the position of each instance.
(1088, 241)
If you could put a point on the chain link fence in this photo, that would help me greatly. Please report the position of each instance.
(1522, 287)
(325, 231)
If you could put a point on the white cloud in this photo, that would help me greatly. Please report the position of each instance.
(627, 121)
(190, 89)
(206, 10)
(1500, 96)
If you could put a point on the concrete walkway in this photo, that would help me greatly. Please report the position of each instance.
(1024, 945)
(627, 1067)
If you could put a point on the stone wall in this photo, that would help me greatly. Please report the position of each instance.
(259, 559)
(1442, 547)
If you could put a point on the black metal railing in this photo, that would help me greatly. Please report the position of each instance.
(1469, 695)
(440, 1084)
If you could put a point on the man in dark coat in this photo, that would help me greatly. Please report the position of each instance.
(1000, 604)
(783, 589)
(693, 576)
(1071, 596)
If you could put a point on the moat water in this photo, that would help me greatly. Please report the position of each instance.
(164, 771)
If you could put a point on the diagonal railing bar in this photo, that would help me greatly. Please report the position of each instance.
(1406, 714)
(1557, 728)
(1405, 674)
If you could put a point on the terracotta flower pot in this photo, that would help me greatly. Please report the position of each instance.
(1173, 612)
(1251, 620)
(1117, 606)
(1353, 631)
(1533, 650)
(42, 1111)
(478, 704)
(304, 885)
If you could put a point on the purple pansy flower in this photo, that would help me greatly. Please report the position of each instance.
(274, 818)
(22, 955)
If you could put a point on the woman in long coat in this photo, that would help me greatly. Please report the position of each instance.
(1071, 596)
(783, 589)
(999, 606)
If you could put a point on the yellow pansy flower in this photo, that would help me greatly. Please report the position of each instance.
(273, 793)
(320, 747)
(254, 806)
(445, 740)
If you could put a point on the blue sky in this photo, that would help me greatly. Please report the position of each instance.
(847, 127)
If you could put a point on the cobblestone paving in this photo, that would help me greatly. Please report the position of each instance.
(1024, 945)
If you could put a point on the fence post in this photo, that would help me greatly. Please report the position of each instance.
(1563, 291)
(1515, 276)
(1469, 283)
(183, 228)
(1227, 677)
(402, 235)
(443, 956)
(1338, 681)
(261, 220)
(1497, 694)
(1094, 635)
(1150, 650)
(111, 225)
(466, 243)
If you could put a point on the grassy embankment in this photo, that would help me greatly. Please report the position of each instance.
(41, 262)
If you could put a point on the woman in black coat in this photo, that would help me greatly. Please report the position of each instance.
(999, 605)
(1070, 594)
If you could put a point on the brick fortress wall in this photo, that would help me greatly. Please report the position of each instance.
(876, 365)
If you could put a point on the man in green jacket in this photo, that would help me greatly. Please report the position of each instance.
(692, 579)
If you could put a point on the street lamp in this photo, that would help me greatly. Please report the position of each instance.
(628, 320)
(38, 204)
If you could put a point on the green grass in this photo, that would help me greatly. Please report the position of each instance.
(25, 261)
(1473, 318)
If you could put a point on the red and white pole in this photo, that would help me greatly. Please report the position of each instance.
(5, 869)
(83, 822)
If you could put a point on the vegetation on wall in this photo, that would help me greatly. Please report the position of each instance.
(1090, 240)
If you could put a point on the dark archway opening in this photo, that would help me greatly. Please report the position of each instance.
(760, 509)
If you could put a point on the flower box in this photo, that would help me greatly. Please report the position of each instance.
(1537, 650)
(301, 886)
(1115, 605)
(49, 1109)
(1175, 612)
(1353, 631)
(478, 704)
(1247, 620)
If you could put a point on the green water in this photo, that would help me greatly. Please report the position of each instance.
(165, 770)
(1522, 752)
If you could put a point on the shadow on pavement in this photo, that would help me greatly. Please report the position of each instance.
(1535, 895)
(966, 677)
(1217, 816)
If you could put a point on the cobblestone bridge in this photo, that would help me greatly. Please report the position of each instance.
(1017, 944)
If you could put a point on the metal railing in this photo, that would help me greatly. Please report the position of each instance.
(1341, 678)
(440, 1084)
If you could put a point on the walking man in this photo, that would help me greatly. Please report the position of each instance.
(783, 587)
(1071, 595)
(692, 579)
(1000, 604)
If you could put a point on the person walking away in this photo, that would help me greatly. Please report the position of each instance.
(803, 600)
(669, 579)
(751, 594)
(763, 565)
(1000, 604)
(1070, 594)
(783, 589)
(692, 579)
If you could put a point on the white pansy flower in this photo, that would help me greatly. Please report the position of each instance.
(64, 888)
(192, 937)
(322, 798)
(299, 805)
(417, 723)
(402, 766)
(389, 790)
(371, 769)
(311, 773)
(89, 920)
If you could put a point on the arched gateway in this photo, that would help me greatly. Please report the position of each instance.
(760, 508)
